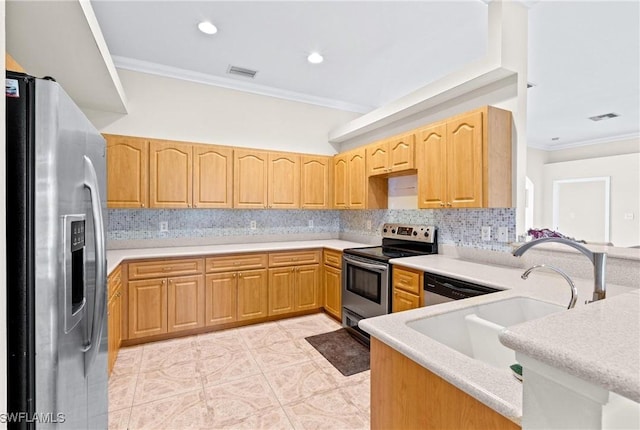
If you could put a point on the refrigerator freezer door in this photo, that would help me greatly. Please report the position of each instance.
(63, 137)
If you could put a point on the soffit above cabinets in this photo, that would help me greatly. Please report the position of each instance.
(62, 39)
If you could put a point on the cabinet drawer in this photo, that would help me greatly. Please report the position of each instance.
(403, 301)
(277, 259)
(164, 268)
(229, 263)
(114, 282)
(333, 258)
(407, 280)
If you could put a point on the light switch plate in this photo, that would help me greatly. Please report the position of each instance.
(503, 234)
(486, 233)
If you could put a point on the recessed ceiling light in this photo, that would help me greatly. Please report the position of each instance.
(315, 58)
(207, 28)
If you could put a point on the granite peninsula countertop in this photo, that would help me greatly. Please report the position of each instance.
(497, 388)
(116, 256)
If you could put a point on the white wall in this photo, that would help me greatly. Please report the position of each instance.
(168, 108)
(3, 241)
(536, 159)
(624, 171)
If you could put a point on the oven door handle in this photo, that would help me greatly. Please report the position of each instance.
(378, 267)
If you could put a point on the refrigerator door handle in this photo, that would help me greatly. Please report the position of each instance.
(92, 346)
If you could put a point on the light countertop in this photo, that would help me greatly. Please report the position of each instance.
(496, 388)
(115, 257)
(597, 343)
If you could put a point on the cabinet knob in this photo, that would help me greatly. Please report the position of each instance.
(448, 204)
(141, 205)
(441, 204)
(234, 275)
(164, 282)
(240, 275)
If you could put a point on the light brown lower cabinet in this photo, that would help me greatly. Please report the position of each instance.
(235, 296)
(407, 289)
(114, 317)
(293, 289)
(185, 301)
(408, 396)
(158, 306)
(333, 291)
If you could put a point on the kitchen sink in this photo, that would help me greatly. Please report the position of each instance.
(474, 331)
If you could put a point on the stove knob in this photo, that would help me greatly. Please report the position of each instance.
(385, 230)
(415, 233)
(393, 231)
(426, 234)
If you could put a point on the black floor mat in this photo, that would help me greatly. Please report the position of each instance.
(343, 351)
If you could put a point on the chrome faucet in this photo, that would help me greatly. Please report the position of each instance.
(574, 291)
(598, 259)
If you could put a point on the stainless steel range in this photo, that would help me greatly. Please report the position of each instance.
(366, 272)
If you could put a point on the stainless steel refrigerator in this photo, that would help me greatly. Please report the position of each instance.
(56, 262)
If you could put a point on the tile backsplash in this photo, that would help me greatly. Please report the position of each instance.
(460, 227)
(136, 224)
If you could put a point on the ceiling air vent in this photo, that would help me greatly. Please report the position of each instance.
(241, 71)
(603, 116)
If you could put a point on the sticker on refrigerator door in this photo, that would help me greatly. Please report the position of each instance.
(11, 88)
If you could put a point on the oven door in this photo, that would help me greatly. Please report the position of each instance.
(365, 286)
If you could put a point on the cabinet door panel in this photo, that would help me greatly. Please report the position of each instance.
(307, 287)
(284, 181)
(464, 161)
(333, 291)
(212, 176)
(401, 151)
(221, 298)
(357, 179)
(403, 301)
(377, 158)
(315, 182)
(170, 171)
(185, 302)
(250, 176)
(252, 294)
(407, 280)
(340, 182)
(147, 308)
(432, 167)
(127, 172)
(281, 291)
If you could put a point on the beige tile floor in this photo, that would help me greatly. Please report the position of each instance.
(264, 376)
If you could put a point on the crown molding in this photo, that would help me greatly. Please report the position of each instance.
(233, 84)
(607, 139)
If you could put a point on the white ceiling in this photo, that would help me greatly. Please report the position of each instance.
(584, 56)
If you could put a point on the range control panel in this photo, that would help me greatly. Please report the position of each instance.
(416, 233)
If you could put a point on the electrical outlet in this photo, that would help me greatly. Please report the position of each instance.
(164, 226)
(503, 234)
(628, 216)
(310, 223)
(252, 225)
(486, 233)
(368, 224)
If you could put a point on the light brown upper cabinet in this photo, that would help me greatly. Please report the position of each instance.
(170, 174)
(340, 181)
(466, 161)
(212, 176)
(250, 178)
(284, 181)
(391, 155)
(350, 181)
(128, 172)
(315, 179)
